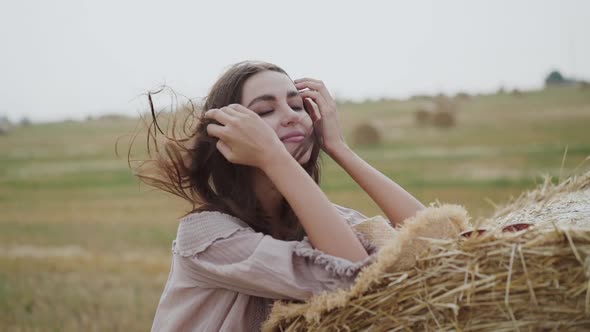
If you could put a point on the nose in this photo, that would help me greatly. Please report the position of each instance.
(290, 116)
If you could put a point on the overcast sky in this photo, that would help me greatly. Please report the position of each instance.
(72, 58)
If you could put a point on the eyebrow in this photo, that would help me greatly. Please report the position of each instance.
(268, 97)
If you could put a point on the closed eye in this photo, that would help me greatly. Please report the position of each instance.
(270, 111)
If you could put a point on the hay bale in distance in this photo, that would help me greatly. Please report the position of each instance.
(441, 113)
(366, 133)
(444, 119)
(444, 116)
(423, 115)
(444, 104)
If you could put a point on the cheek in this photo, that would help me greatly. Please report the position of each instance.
(272, 122)
(306, 121)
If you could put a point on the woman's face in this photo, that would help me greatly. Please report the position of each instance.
(273, 96)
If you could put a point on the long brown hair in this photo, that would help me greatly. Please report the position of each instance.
(192, 168)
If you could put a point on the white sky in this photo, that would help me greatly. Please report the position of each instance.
(71, 58)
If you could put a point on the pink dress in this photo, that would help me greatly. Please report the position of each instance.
(225, 276)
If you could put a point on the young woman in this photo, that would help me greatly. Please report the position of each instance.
(261, 229)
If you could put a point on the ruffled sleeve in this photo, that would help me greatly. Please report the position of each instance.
(336, 265)
(219, 251)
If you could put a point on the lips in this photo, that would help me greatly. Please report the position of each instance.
(293, 136)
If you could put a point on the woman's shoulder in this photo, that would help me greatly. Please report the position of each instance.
(211, 218)
(197, 230)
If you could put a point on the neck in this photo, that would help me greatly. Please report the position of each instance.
(268, 195)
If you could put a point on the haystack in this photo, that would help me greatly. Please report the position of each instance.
(439, 113)
(424, 113)
(428, 277)
(366, 133)
(445, 112)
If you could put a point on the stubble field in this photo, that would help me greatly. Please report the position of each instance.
(84, 247)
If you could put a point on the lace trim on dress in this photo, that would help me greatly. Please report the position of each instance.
(336, 265)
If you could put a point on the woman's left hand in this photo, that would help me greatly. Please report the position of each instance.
(327, 125)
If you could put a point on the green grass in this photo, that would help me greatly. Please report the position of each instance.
(61, 186)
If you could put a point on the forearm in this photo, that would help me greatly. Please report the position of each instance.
(326, 228)
(394, 201)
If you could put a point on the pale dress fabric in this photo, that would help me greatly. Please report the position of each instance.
(225, 276)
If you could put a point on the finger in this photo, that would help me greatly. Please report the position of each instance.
(231, 110)
(241, 109)
(216, 130)
(315, 86)
(317, 98)
(311, 110)
(309, 84)
(218, 115)
(318, 86)
(224, 149)
(306, 79)
(208, 114)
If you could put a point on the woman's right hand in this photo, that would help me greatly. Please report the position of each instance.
(244, 138)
